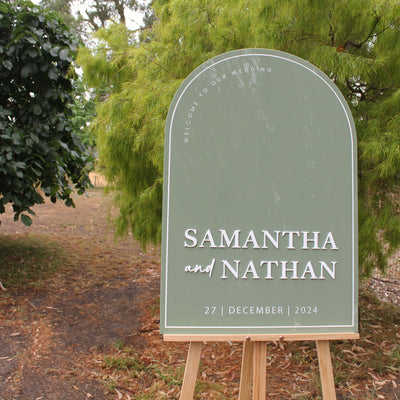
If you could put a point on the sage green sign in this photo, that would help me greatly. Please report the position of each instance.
(259, 212)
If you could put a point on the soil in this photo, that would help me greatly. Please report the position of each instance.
(49, 335)
(56, 338)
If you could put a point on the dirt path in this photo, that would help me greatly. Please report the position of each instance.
(55, 338)
(49, 336)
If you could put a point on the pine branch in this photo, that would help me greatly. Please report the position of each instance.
(378, 91)
(331, 30)
(145, 28)
(388, 26)
(356, 45)
(377, 19)
(121, 11)
(164, 69)
(214, 27)
(92, 22)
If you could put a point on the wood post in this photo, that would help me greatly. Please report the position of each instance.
(253, 371)
(191, 370)
(325, 370)
(246, 374)
(259, 377)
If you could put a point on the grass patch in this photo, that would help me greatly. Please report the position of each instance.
(124, 363)
(26, 261)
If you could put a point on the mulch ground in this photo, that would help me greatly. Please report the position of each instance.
(49, 334)
(91, 330)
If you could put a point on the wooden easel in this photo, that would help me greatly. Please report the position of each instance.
(253, 376)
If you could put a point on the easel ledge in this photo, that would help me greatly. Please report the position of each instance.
(261, 338)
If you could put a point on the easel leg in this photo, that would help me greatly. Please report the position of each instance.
(259, 374)
(325, 370)
(246, 374)
(192, 367)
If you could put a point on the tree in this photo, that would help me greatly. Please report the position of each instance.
(102, 12)
(99, 13)
(38, 149)
(83, 111)
(355, 42)
(63, 9)
(85, 17)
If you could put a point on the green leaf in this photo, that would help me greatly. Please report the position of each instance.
(6, 197)
(64, 53)
(25, 71)
(37, 110)
(33, 53)
(26, 220)
(35, 171)
(53, 74)
(54, 51)
(16, 138)
(34, 137)
(7, 64)
(46, 46)
(31, 39)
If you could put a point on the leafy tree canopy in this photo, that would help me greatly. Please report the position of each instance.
(38, 149)
(355, 42)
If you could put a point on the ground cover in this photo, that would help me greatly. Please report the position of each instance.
(80, 320)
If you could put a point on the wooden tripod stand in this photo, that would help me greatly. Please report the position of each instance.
(253, 376)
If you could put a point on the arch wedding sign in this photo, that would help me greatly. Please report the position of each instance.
(260, 203)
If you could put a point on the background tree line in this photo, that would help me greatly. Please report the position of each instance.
(134, 73)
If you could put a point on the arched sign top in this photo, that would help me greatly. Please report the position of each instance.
(259, 212)
(246, 53)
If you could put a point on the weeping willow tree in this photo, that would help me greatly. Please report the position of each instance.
(355, 42)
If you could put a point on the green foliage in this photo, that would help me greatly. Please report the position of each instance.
(354, 42)
(83, 112)
(37, 146)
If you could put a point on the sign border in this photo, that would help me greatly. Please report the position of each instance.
(170, 120)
